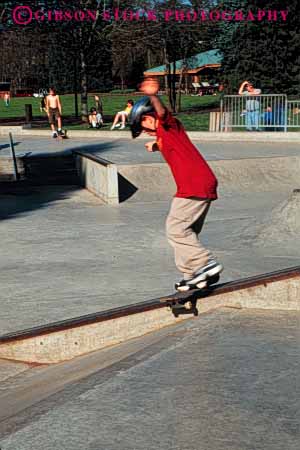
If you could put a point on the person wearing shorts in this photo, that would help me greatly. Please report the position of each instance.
(122, 115)
(54, 111)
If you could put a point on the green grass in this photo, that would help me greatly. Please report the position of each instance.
(111, 104)
(194, 122)
(194, 114)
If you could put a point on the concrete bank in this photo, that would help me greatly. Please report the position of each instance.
(116, 183)
(65, 340)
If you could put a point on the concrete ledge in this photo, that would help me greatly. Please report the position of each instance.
(256, 174)
(67, 339)
(7, 168)
(99, 176)
(263, 136)
(114, 184)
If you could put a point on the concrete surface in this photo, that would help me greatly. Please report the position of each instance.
(73, 341)
(228, 380)
(132, 151)
(10, 369)
(99, 177)
(65, 254)
(235, 136)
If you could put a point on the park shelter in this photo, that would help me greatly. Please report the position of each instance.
(195, 69)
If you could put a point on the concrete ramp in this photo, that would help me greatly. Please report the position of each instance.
(283, 223)
(143, 182)
(253, 174)
(68, 339)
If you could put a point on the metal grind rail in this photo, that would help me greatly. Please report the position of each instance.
(64, 340)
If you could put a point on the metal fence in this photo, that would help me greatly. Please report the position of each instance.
(293, 116)
(265, 112)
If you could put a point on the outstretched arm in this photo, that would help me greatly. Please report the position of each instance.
(150, 87)
(242, 87)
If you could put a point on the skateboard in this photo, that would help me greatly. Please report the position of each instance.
(64, 136)
(186, 302)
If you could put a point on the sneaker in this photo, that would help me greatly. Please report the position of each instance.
(122, 127)
(61, 133)
(54, 135)
(112, 128)
(117, 125)
(185, 285)
(211, 269)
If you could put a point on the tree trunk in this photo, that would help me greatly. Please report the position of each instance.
(168, 77)
(84, 88)
(173, 87)
(75, 87)
(179, 90)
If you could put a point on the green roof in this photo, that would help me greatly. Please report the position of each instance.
(210, 57)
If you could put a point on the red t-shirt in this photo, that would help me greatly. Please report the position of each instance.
(192, 175)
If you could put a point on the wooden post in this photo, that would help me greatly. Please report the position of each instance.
(28, 113)
(214, 121)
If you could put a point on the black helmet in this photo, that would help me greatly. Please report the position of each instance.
(140, 108)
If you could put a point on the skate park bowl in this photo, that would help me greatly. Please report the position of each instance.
(145, 182)
(65, 340)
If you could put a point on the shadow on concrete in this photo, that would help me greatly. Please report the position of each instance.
(19, 198)
(42, 186)
(126, 189)
(6, 146)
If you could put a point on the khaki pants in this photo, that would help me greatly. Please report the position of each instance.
(183, 225)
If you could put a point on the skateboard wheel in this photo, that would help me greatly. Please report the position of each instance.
(213, 280)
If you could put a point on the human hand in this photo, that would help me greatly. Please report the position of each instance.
(149, 86)
(151, 146)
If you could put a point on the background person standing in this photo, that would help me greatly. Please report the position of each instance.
(252, 105)
(7, 99)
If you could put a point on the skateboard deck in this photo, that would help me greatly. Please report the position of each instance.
(186, 302)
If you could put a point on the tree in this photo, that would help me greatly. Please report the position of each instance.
(160, 41)
(265, 52)
(63, 53)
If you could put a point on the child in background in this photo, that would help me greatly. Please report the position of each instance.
(95, 119)
(54, 111)
(122, 115)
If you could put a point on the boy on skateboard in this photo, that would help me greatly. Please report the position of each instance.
(196, 187)
(53, 108)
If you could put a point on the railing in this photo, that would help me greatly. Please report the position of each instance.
(265, 112)
(293, 116)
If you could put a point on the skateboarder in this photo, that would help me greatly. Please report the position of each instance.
(53, 108)
(196, 187)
